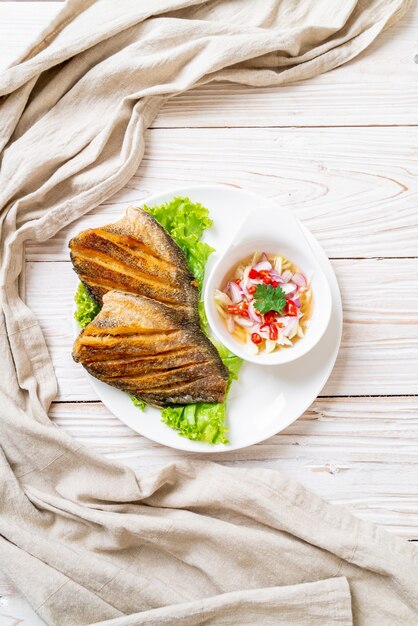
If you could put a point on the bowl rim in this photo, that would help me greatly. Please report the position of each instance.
(277, 357)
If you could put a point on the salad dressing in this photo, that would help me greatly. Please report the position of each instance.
(265, 302)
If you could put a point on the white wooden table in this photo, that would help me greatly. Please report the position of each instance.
(342, 151)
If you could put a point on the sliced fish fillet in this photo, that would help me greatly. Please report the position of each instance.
(135, 255)
(151, 351)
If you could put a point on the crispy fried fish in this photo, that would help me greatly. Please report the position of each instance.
(148, 349)
(135, 255)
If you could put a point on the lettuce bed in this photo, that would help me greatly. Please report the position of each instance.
(186, 222)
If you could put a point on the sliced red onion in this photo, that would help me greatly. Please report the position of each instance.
(263, 265)
(297, 302)
(288, 288)
(276, 276)
(236, 292)
(243, 321)
(253, 313)
(264, 257)
(264, 333)
(287, 275)
(291, 322)
(299, 280)
(230, 324)
(245, 279)
(222, 297)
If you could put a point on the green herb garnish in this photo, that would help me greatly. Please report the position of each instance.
(268, 298)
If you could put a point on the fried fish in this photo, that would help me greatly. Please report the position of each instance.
(135, 255)
(151, 351)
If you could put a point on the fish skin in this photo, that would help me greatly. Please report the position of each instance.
(152, 351)
(135, 255)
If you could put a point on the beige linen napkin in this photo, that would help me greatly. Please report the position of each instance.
(85, 539)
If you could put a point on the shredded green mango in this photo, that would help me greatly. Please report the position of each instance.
(185, 221)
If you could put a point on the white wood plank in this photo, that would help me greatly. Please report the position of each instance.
(356, 189)
(16, 611)
(378, 87)
(379, 351)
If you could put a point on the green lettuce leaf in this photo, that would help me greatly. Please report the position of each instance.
(86, 307)
(198, 422)
(185, 221)
(138, 403)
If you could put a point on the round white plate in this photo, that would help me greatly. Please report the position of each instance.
(265, 399)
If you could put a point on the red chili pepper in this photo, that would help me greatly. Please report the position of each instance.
(253, 273)
(241, 309)
(251, 290)
(265, 276)
(255, 338)
(273, 333)
(269, 317)
(238, 281)
(291, 308)
(274, 283)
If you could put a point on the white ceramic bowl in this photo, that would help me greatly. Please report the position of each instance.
(262, 231)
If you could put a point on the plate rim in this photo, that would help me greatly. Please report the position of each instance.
(185, 444)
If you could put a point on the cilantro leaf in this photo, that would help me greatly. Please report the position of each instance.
(268, 298)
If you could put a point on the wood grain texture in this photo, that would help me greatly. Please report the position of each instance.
(379, 350)
(355, 189)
